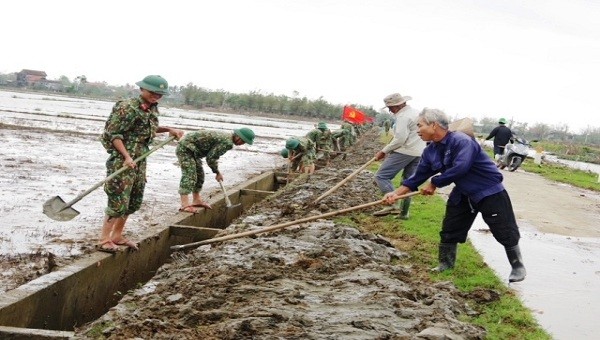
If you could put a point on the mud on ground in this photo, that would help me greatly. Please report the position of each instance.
(318, 280)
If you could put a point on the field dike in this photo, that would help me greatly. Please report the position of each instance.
(325, 279)
(52, 305)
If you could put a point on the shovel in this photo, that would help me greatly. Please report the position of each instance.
(232, 211)
(283, 225)
(57, 209)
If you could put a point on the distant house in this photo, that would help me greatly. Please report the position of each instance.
(30, 77)
(52, 85)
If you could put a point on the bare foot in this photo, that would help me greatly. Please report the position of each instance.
(107, 247)
(201, 204)
(126, 242)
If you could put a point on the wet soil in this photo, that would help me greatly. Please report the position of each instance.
(318, 280)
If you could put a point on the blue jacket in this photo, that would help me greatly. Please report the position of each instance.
(458, 159)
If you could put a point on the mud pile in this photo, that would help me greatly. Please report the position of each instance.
(318, 280)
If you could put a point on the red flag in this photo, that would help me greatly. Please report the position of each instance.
(355, 116)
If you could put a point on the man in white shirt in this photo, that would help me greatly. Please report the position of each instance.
(402, 153)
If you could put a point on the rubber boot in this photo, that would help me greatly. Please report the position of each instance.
(446, 256)
(518, 271)
(404, 210)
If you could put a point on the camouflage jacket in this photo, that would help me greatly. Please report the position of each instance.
(322, 139)
(207, 144)
(134, 126)
(326, 141)
(305, 152)
(306, 145)
(314, 135)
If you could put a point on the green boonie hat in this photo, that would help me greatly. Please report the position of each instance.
(322, 126)
(284, 153)
(502, 121)
(154, 83)
(292, 144)
(245, 134)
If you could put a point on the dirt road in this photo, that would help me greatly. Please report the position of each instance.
(560, 230)
(553, 207)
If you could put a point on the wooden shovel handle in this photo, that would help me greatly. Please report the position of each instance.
(227, 200)
(116, 173)
(342, 182)
(286, 224)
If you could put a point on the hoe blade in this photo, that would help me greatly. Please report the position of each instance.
(58, 210)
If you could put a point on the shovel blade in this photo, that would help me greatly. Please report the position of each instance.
(56, 208)
(232, 212)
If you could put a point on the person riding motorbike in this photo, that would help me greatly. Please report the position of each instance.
(514, 154)
(502, 136)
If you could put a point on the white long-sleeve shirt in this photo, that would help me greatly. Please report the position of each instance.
(406, 140)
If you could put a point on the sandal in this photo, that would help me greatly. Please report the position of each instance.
(126, 242)
(107, 247)
(189, 209)
(201, 204)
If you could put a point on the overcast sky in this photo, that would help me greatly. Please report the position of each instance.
(532, 61)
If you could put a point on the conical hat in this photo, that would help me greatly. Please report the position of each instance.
(464, 125)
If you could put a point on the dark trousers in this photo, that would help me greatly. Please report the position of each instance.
(497, 212)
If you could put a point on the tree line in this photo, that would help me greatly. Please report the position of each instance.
(295, 106)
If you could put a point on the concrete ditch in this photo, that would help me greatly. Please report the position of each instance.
(50, 306)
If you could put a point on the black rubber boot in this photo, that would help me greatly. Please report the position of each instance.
(446, 256)
(518, 271)
(404, 215)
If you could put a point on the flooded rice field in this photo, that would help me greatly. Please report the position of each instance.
(51, 148)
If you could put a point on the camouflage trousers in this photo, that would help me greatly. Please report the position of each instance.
(125, 191)
(192, 172)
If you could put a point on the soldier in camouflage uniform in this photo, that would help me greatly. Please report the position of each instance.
(314, 135)
(353, 132)
(302, 150)
(345, 136)
(323, 140)
(209, 145)
(293, 165)
(128, 133)
(386, 126)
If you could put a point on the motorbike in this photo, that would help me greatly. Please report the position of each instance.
(514, 154)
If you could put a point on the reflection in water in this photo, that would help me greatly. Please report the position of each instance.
(562, 287)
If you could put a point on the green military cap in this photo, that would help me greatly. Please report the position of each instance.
(245, 134)
(284, 153)
(292, 144)
(154, 83)
(322, 126)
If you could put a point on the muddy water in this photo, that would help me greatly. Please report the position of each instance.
(562, 287)
(51, 148)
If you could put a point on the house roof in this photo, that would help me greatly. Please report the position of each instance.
(34, 72)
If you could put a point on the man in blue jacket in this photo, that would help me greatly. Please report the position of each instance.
(454, 157)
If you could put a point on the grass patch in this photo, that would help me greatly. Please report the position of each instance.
(97, 332)
(564, 174)
(504, 318)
